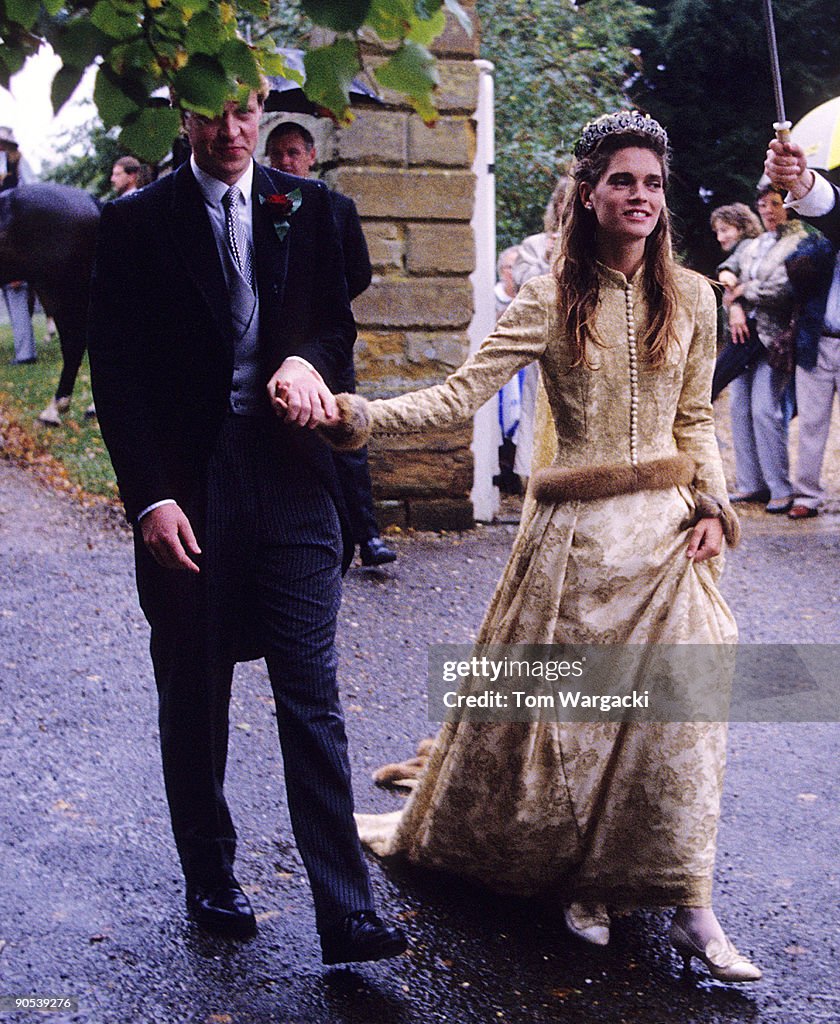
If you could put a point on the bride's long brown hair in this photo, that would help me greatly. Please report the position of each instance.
(575, 267)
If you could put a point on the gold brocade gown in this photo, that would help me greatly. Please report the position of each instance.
(622, 813)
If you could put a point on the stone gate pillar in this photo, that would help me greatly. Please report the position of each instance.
(414, 189)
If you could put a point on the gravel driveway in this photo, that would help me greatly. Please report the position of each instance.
(90, 893)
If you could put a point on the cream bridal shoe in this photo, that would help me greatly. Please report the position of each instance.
(723, 960)
(588, 921)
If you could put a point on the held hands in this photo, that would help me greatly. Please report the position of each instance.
(299, 395)
(705, 540)
(787, 169)
(167, 533)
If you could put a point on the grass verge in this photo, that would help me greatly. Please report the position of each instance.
(71, 457)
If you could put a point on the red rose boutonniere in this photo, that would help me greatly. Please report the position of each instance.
(280, 207)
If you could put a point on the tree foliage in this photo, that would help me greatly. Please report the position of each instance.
(706, 77)
(196, 48)
(557, 67)
(86, 154)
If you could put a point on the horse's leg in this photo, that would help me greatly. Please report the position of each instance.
(72, 338)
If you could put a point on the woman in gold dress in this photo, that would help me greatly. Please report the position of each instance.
(620, 543)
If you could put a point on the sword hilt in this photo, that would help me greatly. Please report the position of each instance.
(782, 130)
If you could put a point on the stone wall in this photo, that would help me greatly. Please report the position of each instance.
(414, 189)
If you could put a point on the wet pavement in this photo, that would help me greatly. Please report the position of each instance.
(91, 903)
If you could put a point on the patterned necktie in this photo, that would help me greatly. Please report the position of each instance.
(237, 240)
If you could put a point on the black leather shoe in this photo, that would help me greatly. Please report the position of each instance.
(376, 552)
(779, 506)
(362, 936)
(224, 910)
(749, 497)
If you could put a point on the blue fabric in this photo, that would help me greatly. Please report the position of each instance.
(510, 406)
(760, 430)
(810, 270)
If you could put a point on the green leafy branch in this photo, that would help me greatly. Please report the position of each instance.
(196, 50)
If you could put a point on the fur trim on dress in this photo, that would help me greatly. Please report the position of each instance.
(405, 774)
(555, 483)
(354, 426)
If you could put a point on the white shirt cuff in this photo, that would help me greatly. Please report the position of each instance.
(157, 504)
(306, 363)
(818, 201)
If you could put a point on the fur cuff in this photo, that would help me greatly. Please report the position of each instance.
(555, 483)
(353, 428)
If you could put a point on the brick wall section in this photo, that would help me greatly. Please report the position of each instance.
(414, 188)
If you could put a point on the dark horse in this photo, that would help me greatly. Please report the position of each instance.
(48, 238)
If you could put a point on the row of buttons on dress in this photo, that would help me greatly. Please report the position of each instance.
(634, 377)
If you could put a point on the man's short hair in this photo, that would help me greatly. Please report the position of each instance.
(261, 93)
(766, 188)
(129, 164)
(280, 131)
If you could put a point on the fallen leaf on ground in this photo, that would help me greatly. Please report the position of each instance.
(267, 915)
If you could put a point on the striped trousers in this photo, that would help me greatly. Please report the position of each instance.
(270, 580)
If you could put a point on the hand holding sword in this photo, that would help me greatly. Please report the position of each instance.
(787, 169)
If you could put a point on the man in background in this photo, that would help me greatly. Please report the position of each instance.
(125, 175)
(14, 171)
(291, 148)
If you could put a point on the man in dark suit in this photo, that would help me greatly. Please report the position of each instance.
(210, 349)
(291, 148)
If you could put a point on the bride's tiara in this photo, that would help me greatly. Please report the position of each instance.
(630, 121)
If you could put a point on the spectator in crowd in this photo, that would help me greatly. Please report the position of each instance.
(505, 290)
(510, 396)
(535, 251)
(14, 171)
(761, 309)
(814, 271)
(734, 226)
(124, 175)
(290, 147)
